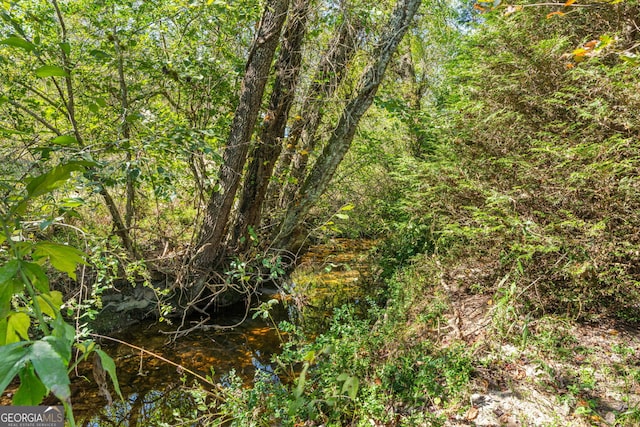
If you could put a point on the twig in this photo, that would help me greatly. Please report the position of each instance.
(157, 356)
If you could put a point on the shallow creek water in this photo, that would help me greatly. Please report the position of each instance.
(328, 275)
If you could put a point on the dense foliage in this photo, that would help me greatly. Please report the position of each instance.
(497, 162)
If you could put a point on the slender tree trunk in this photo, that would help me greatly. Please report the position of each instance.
(126, 134)
(326, 80)
(342, 136)
(120, 227)
(269, 143)
(218, 211)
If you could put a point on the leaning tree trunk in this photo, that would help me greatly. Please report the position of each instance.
(269, 142)
(288, 237)
(330, 73)
(217, 214)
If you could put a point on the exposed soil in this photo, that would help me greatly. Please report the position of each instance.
(562, 373)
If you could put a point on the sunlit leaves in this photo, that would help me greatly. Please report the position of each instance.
(53, 179)
(64, 140)
(51, 71)
(18, 42)
(17, 327)
(62, 257)
(50, 303)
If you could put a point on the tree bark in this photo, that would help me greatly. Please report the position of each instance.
(340, 140)
(218, 210)
(269, 142)
(330, 73)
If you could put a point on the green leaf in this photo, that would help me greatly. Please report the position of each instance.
(66, 47)
(36, 275)
(100, 55)
(13, 358)
(64, 140)
(6, 292)
(350, 387)
(61, 346)
(18, 42)
(109, 365)
(51, 71)
(8, 286)
(63, 331)
(31, 391)
(302, 379)
(50, 368)
(342, 216)
(3, 331)
(50, 303)
(17, 327)
(62, 257)
(53, 179)
(9, 270)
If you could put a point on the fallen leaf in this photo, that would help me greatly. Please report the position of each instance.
(554, 13)
(591, 44)
(472, 413)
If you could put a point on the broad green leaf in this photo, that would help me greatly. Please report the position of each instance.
(63, 331)
(53, 179)
(9, 270)
(302, 379)
(13, 358)
(100, 55)
(36, 276)
(51, 71)
(66, 47)
(348, 207)
(3, 331)
(350, 387)
(50, 303)
(14, 41)
(62, 257)
(61, 346)
(51, 369)
(342, 216)
(64, 140)
(17, 327)
(31, 391)
(6, 292)
(109, 365)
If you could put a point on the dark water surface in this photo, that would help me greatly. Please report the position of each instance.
(151, 387)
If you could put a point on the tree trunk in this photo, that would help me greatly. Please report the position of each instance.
(121, 229)
(269, 143)
(217, 214)
(326, 80)
(340, 140)
(126, 134)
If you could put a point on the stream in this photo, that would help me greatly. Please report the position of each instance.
(327, 276)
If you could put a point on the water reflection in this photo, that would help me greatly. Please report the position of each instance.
(153, 389)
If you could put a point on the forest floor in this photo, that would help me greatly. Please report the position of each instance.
(561, 373)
